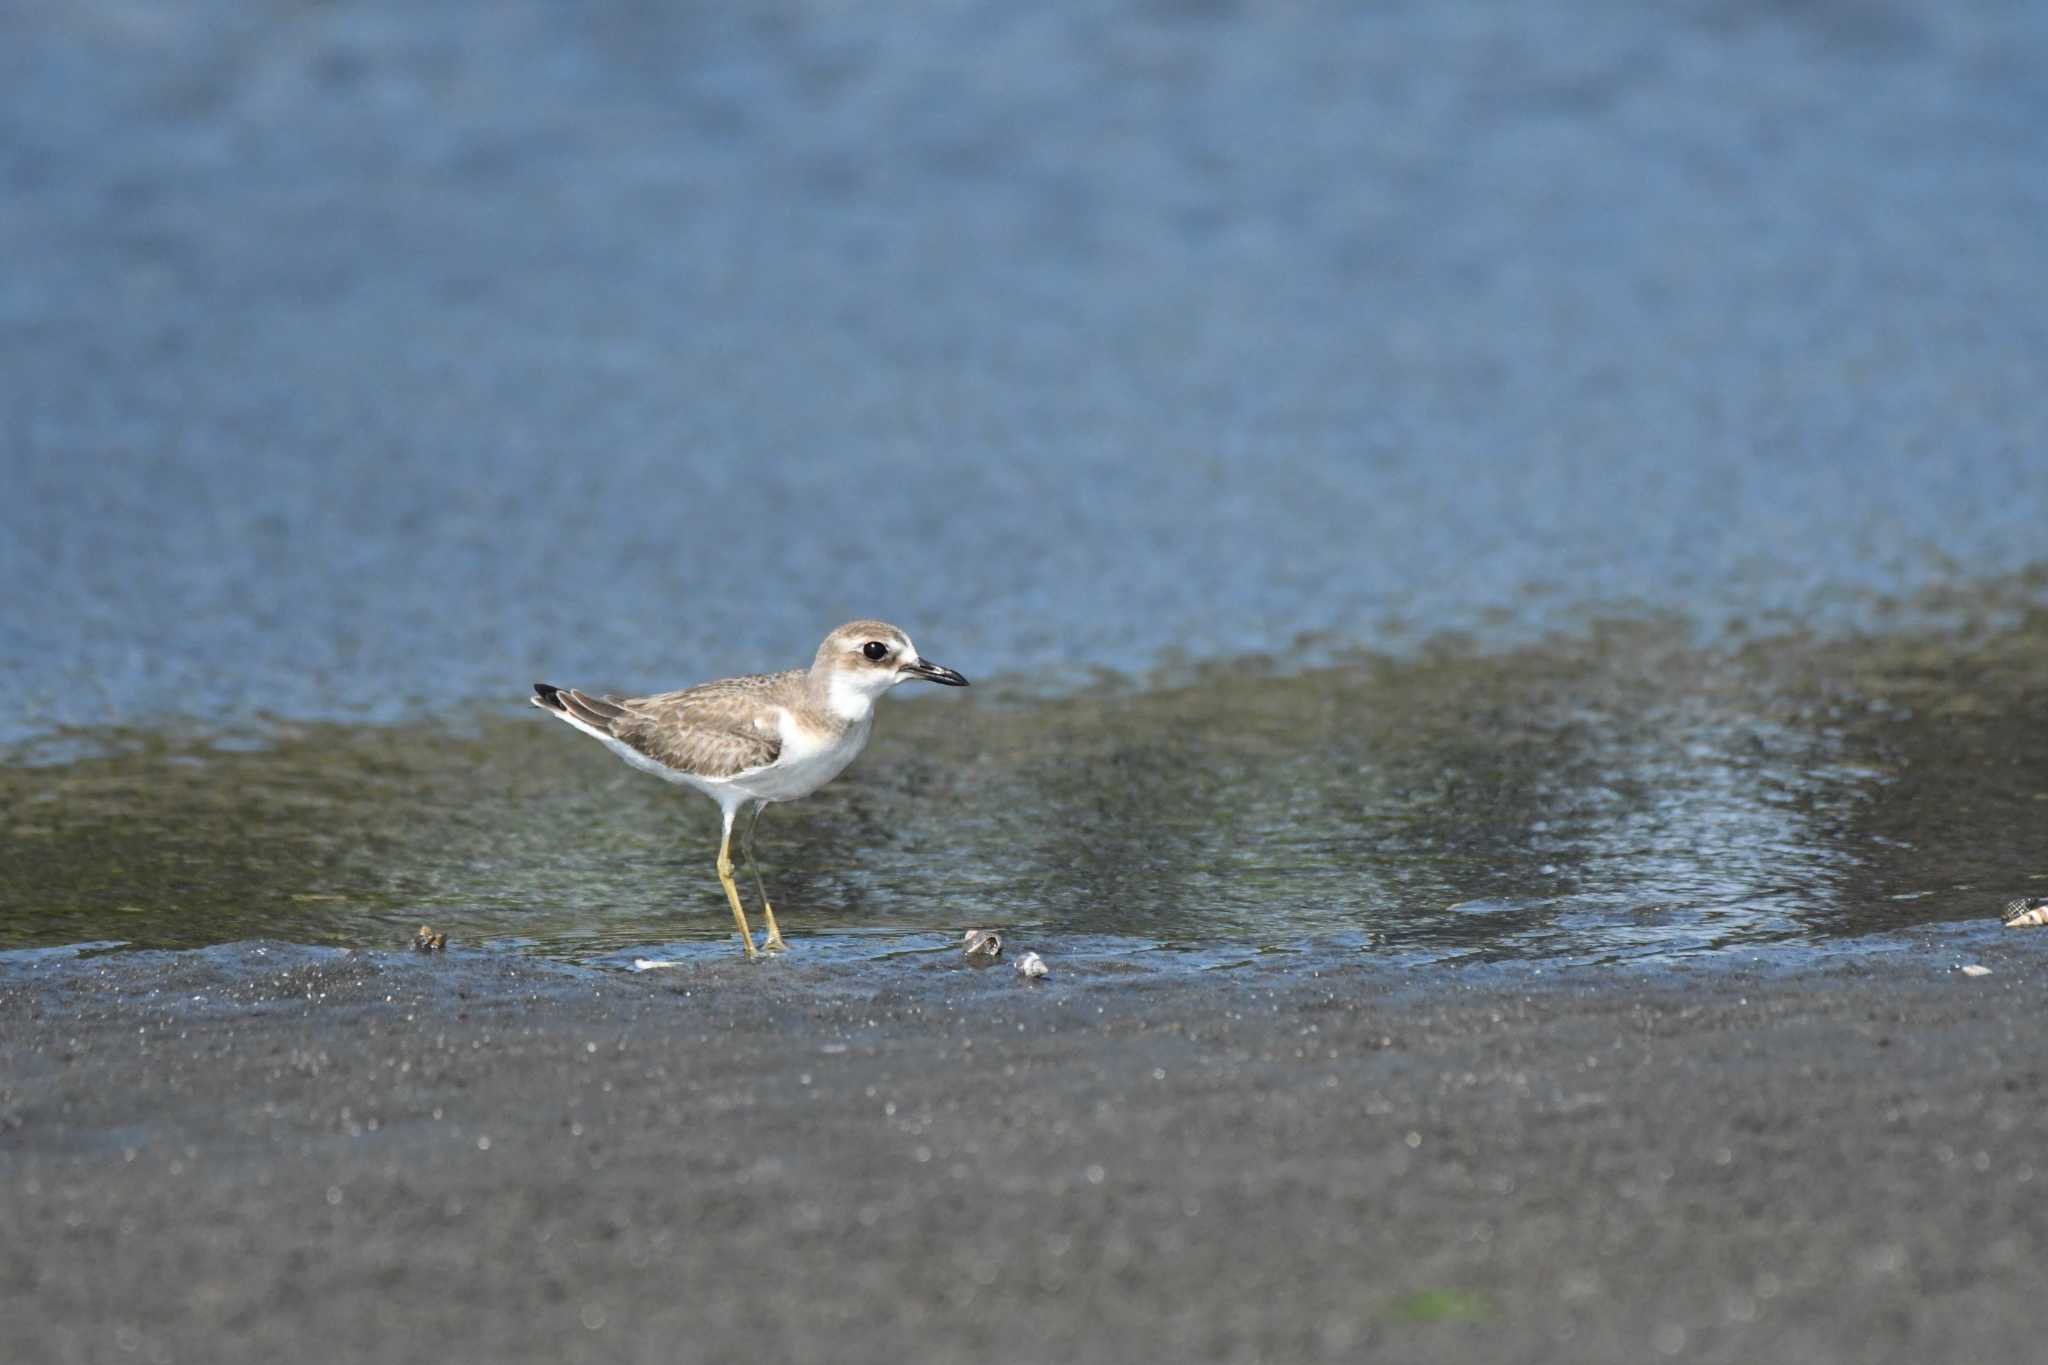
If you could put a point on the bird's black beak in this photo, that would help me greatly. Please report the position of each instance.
(932, 672)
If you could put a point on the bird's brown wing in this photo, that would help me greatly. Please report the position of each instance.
(694, 745)
(713, 730)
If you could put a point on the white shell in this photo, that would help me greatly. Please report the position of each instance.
(981, 943)
(1032, 966)
(2028, 912)
(1972, 969)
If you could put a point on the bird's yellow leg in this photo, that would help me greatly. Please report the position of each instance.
(732, 893)
(774, 939)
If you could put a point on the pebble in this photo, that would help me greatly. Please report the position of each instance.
(1032, 966)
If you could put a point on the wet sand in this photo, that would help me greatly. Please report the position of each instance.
(261, 1151)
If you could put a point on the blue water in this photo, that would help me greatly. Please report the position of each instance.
(361, 360)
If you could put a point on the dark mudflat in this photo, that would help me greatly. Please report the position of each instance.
(254, 1153)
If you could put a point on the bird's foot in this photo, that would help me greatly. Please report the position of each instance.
(773, 944)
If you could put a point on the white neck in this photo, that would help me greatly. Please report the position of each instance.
(848, 699)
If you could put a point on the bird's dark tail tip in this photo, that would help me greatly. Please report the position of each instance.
(548, 695)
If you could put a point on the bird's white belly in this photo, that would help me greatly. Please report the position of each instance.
(805, 765)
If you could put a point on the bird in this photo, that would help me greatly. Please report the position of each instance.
(751, 740)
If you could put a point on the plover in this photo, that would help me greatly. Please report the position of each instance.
(761, 738)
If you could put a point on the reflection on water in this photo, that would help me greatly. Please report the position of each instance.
(1623, 794)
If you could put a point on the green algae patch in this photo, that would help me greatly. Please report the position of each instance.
(1440, 1305)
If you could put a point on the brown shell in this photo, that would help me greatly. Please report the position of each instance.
(2028, 912)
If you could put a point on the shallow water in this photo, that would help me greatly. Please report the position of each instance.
(1532, 480)
(1618, 796)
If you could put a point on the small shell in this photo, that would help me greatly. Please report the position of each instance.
(1032, 966)
(427, 941)
(1973, 969)
(2028, 912)
(982, 943)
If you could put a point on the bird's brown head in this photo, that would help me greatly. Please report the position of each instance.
(866, 658)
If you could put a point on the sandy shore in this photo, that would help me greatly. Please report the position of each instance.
(264, 1152)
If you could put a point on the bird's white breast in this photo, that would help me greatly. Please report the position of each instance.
(810, 758)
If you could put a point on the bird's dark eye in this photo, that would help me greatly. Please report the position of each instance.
(875, 650)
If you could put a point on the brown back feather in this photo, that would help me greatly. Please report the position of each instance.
(715, 729)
